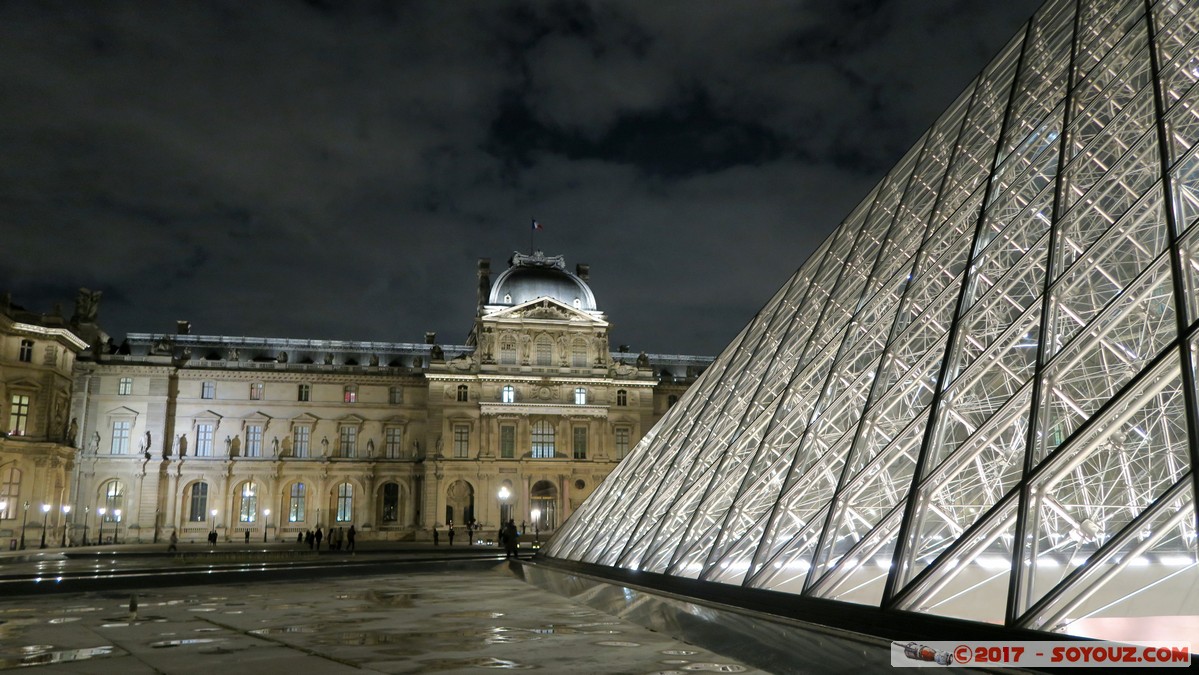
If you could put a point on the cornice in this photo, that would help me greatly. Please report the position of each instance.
(489, 408)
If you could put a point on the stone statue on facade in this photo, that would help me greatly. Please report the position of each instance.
(87, 306)
(95, 449)
(72, 432)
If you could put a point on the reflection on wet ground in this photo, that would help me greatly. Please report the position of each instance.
(427, 623)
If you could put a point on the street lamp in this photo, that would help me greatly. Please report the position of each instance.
(24, 517)
(536, 528)
(101, 511)
(212, 532)
(86, 512)
(66, 511)
(267, 525)
(504, 494)
(45, 519)
(116, 533)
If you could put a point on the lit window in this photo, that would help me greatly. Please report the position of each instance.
(125, 386)
(580, 396)
(393, 442)
(114, 500)
(256, 391)
(345, 503)
(461, 440)
(463, 392)
(622, 397)
(395, 395)
(295, 505)
(622, 442)
(303, 392)
(580, 443)
(121, 430)
(508, 394)
(254, 440)
(507, 442)
(18, 415)
(301, 437)
(350, 394)
(391, 502)
(248, 509)
(207, 390)
(349, 440)
(198, 509)
(26, 354)
(543, 440)
(10, 493)
(204, 436)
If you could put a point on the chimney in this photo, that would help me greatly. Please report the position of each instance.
(583, 271)
(430, 337)
(183, 328)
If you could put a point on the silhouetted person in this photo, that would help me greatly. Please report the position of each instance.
(511, 539)
(212, 538)
(174, 542)
(436, 536)
(319, 536)
(350, 538)
(247, 536)
(309, 538)
(451, 535)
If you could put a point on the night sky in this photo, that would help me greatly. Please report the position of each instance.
(335, 170)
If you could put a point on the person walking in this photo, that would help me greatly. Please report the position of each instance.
(511, 539)
(319, 536)
(174, 542)
(247, 536)
(350, 538)
(435, 536)
(451, 535)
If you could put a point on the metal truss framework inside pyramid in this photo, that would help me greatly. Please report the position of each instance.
(977, 399)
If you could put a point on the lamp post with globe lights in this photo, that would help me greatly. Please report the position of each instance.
(87, 510)
(504, 494)
(24, 518)
(267, 525)
(536, 528)
(212, 531)
(116, 533)
(66, 511)
(45, 521)
(100, 514)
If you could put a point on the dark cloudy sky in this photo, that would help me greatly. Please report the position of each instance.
(335, 170)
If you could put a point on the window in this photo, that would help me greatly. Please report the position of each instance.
(622, 442)
(10, 492)
(580, 443)
(543, 440)
(295, 504)
(121, 429)
(125, 386)
(508, 394)
(348, 435)
(350, 393)
(393, 442)
(247, 510)
(391, 502)
(461, 440)
(303, 392)
(345, 503)
(114, 499)
(254, 440)
(204, 435)
(622, 397)
(508, 350)
(198, 509)
(301, 437)
(18, 415)
(256, 391)
(580, 396)
(507, 442)
(545, 351)
(463, 393)
(395, 395)
(207, 390)
(26, 354)
(578, 354)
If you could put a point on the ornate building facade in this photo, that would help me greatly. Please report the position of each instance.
(269, 438)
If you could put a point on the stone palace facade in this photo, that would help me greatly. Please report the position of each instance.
(269, 438)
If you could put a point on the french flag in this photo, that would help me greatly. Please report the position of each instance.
(537, 226)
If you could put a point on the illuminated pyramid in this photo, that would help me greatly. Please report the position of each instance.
(977, 398)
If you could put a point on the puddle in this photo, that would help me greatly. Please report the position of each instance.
(675, 662)
(206, 630)
(618, 643)
(715, 668)
(360, 638)
(678, 652)
(42, 658)
(455, 664)
(284, 630)
(470, 615)
(167, 644)
(64, 619)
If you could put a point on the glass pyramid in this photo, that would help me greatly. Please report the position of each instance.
(978, 398)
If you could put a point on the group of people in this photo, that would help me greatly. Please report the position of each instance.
(340, 538)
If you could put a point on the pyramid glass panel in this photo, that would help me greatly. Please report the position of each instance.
(978, 398)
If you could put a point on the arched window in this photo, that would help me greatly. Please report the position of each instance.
(391, 502)
(295, 504)
(247, 511)
(543, 440)
(508, 350)
(463, 393)
(622, 397)
(508, 394)
(545, 351)
(543, 499)
(580, 396)
(578, 353)
(10, 492)
(114, 500)
(345, 503)
(197, 511)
